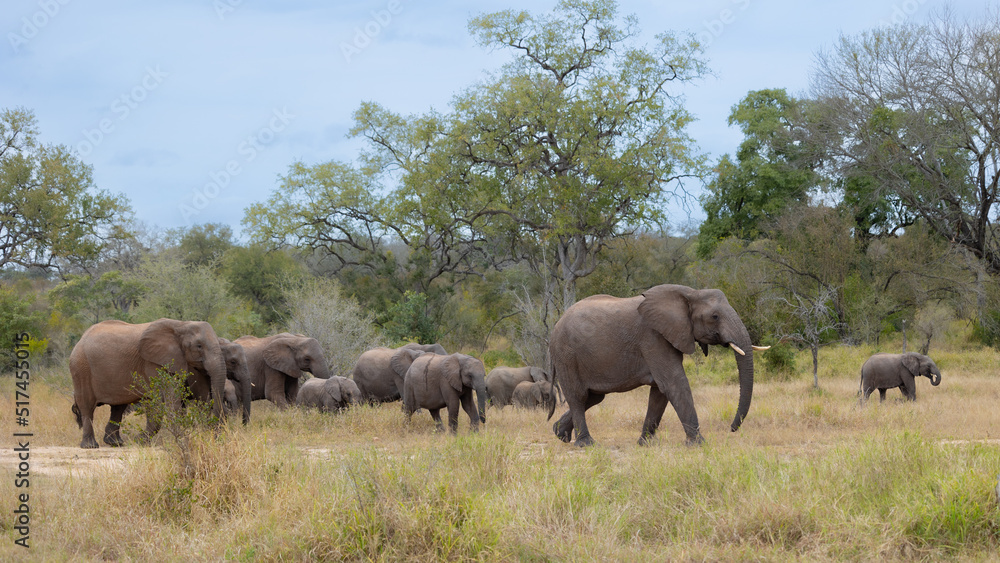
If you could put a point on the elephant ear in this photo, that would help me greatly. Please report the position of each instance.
(537, 374)
(470, 367)
(912, 363)
(452, 372)
(159, 344)
(278, 355)
(665, 308)
(403, 358)
(333, 389)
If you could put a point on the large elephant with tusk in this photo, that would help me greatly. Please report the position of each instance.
(605, 344)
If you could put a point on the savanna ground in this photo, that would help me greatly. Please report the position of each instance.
(810, 476)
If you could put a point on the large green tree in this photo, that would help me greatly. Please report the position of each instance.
(577, 141)
(774, 170)
(914, 108)
(50, 209)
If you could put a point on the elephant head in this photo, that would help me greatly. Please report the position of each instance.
(238, 372)
(292, 354)
(466, 371)
(342, 391)
(919, 364)
(186, 346)
(688, 317)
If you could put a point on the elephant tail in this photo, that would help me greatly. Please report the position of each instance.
(79, 419)
(555, 389)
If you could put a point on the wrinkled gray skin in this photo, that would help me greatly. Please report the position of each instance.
(605, 344)
(103, 362)
(501, 381)
(379, 372)
(237, 379)
(276, 363)
(434, 382)
(329, 395)
(533, 395)
(889, 371)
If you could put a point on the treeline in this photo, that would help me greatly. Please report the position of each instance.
(864, 209)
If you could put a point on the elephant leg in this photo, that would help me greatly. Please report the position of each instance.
(909, 388)
(112, 435)
(86, 411)
(274, 390)
(291, 390)
(436, 415)
(583, 438)
(867, 393)
(453, 405)
(881, 395)
(654, 413)
(470, 408)
(683, 403)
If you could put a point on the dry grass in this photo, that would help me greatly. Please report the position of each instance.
(810, 476)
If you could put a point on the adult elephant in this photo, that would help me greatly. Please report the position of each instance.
(605, 344)
(434, 382)
(501, 381)
(276, 363)
(103, 362)
(533, 395)
(379, 372)
(237, 391)
(329, 395)
(889, 371)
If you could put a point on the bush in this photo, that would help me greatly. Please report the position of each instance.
(321, 310)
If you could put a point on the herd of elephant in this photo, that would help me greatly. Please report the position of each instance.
(600, 345)
(113, 358)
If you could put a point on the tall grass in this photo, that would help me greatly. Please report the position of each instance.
(810, 476)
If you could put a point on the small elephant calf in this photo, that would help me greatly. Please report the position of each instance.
(890, 371)
(533, 395)
(434, 382)
(331, 394)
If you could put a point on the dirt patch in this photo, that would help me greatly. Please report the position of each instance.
(64, 460)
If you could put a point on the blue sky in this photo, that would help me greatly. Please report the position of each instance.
(194, 108)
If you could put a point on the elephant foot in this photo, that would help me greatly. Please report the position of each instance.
(565, 436)
(584, 441)
(114, 441)
(695, 440)
(646, 439)
(89, 443)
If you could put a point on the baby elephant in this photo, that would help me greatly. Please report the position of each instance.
(888, 371)
(533, 395)
(331, 394)
(434, 382)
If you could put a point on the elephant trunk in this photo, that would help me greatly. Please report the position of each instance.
(935, 378)
(246, 395)
(215, 367)
(320, 370)
(479, 384)
(745, 365)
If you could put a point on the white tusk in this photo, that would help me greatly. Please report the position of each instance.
(737, 348)
(761, 348)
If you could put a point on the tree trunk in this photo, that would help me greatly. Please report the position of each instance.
(815, 353)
